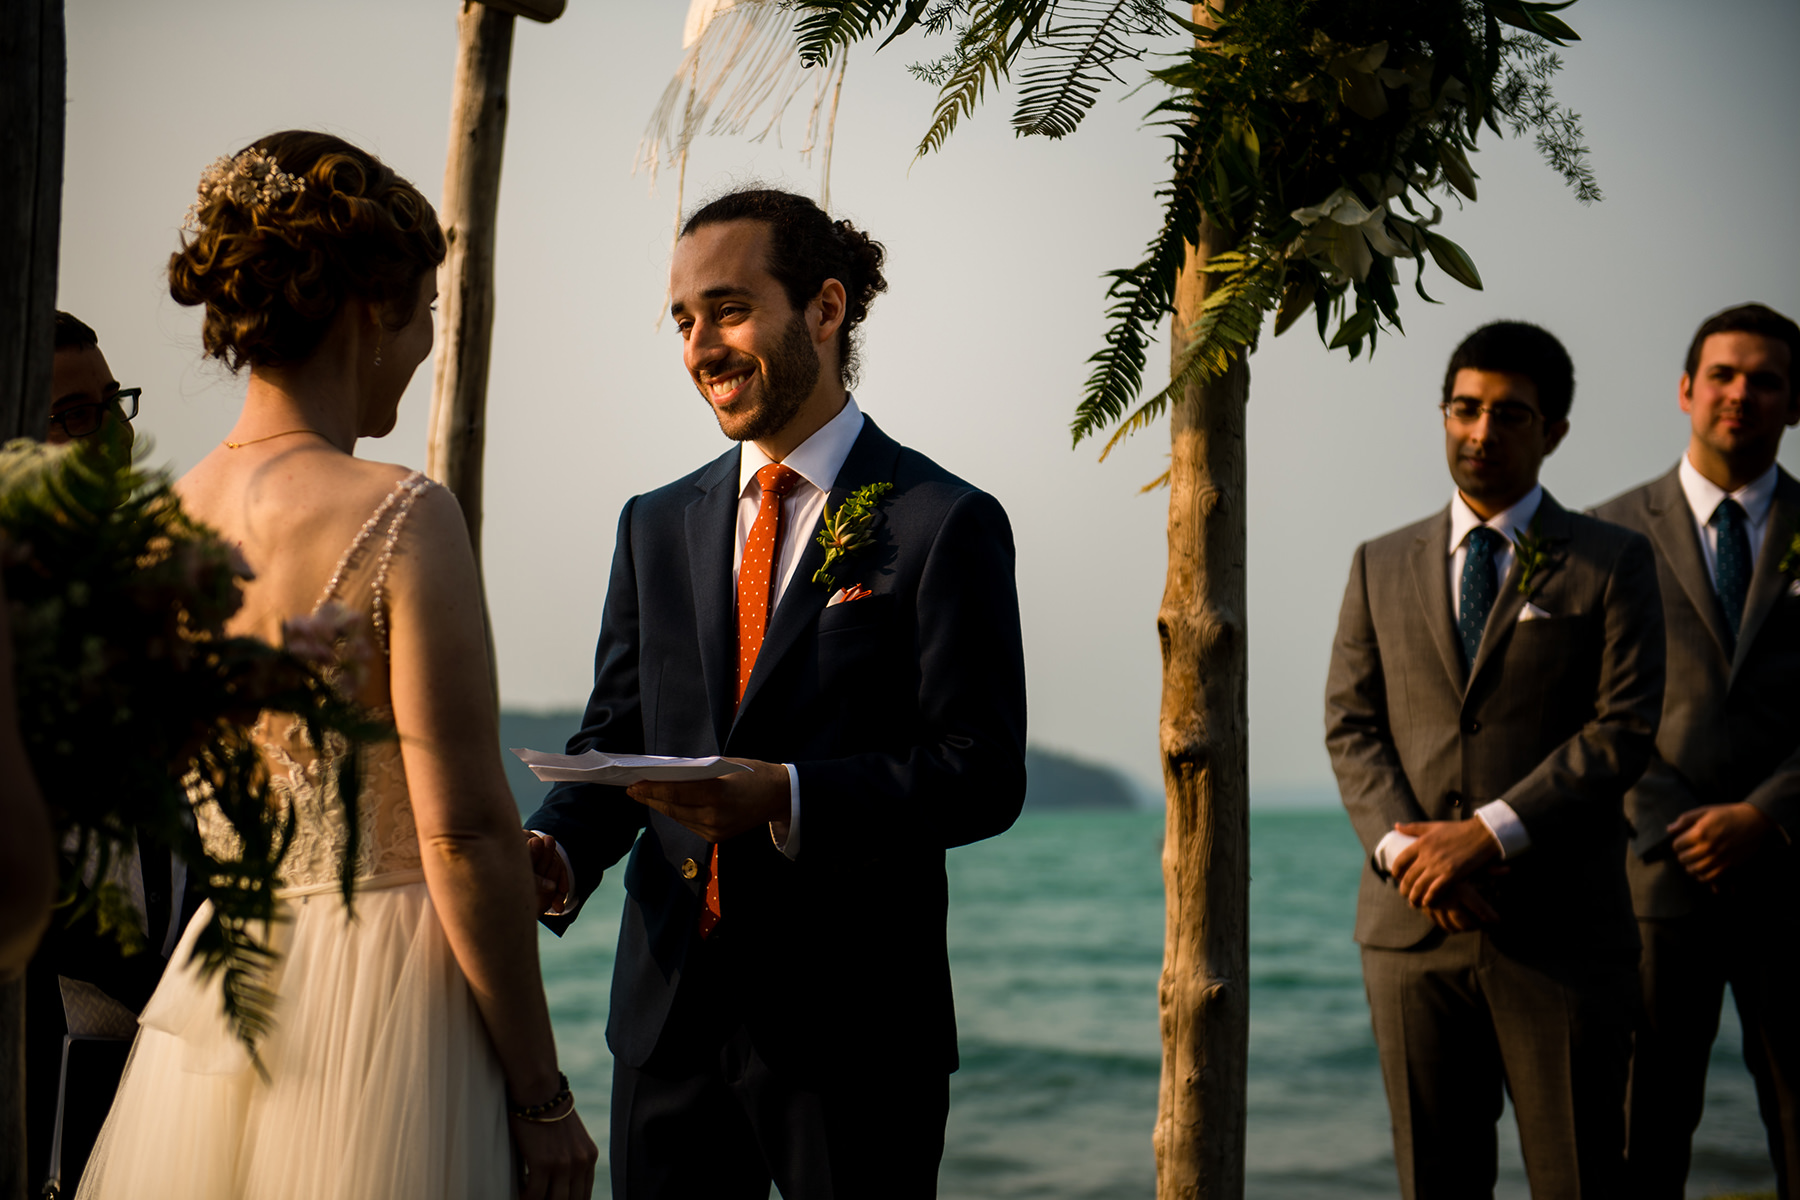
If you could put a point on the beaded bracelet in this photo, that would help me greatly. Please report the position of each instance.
(535, 1112)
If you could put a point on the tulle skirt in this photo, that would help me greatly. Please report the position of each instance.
(381, 1082)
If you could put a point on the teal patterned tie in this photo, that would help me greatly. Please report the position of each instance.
(1732, 574)
(1479, 587)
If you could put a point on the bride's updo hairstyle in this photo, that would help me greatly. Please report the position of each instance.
(289, 228)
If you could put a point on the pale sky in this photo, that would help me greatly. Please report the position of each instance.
(977, 353)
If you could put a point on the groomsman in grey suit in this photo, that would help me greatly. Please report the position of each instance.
(1712, 869)
(1494, 690)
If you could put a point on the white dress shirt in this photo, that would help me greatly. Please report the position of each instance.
(1497, 815)
(817, 460)
(1704, 497)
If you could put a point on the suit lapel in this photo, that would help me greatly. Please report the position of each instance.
(1672, 529)
(711, 535)
(1550, 523)
(871, 460)
(1766, 582)
(1431, 580)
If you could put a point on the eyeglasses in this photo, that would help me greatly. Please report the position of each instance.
(1508, 414)
(83, 420)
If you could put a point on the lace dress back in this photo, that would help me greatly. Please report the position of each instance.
(305, 778)
(380, 1081)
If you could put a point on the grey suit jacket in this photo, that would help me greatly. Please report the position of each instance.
(1557, 717)
(1731, 716)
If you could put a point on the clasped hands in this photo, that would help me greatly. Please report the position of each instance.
(716, 809)
(1435, 873)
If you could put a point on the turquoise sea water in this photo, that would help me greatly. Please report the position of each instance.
(1056, 942)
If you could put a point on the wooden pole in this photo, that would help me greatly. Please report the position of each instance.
(33, 69)
(1205, 987)
(33, 74)
(458, 430)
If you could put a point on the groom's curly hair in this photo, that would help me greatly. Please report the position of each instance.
(806, 247)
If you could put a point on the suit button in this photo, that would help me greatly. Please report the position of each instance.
(689, 868)
(1471, 726)
(1455, 799)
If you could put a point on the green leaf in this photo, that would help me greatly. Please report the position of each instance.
(1453, 260)
(1355, 328)
(1456, 168)
(1295, 300)
(1535, 18)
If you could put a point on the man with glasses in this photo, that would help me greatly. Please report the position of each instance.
(1714, 818)
(1494, 689)
(84, 396)
(82, 994)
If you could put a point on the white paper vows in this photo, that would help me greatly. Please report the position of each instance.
(622, 769)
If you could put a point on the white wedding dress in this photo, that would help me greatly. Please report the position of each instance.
(381, 1081)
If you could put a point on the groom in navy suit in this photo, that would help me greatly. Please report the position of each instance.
(781, 1002)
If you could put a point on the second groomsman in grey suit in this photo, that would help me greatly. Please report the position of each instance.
(1713, 873)
(1494, 690)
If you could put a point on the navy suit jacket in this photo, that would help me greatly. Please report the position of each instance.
(903, 713)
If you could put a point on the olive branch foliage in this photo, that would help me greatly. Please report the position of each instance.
(1320, 138)
(135, 706)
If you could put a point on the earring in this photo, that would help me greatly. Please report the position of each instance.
(378, 347)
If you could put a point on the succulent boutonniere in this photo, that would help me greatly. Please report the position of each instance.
(847, 530)
(1789, 564)
(1533, 550)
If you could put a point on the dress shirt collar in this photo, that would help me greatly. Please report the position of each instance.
(1508, 524)
(818, 459)
(1704, 496)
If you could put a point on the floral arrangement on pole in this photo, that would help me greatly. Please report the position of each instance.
(1318, 138)
(135, 705)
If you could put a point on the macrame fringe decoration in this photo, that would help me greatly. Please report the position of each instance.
(739, 61)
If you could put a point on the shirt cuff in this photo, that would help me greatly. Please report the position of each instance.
(790, 847)
(566, 906)
(1388, 849)
(1506, 827)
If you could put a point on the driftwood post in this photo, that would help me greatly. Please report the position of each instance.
(33, 67)
(457, 435)
(32, 71)
(458, 431)
(1205, 988)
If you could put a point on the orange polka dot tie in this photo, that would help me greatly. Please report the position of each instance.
(756, 587)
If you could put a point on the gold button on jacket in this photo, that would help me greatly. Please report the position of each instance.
(689, 868)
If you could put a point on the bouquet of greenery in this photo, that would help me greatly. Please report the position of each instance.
(135, 705)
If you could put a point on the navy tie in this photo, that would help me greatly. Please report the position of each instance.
(1479, 587)
(1732, 576)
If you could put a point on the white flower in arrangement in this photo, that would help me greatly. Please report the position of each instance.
(1345, 231)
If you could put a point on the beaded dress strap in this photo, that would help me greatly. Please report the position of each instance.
(399, 503)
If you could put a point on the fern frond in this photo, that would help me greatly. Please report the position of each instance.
(980, 57)
(1141, 296)
(1225, 330)
(832, 25)
(1057, 93)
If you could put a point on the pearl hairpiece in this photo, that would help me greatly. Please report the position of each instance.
(252, 179)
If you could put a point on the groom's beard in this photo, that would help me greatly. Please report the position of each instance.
(786, 379)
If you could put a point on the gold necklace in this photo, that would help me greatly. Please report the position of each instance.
(270, 437)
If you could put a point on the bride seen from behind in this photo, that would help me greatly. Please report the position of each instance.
(403, 1036)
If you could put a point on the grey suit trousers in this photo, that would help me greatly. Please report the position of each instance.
(1458, 1023)
(1687, 963)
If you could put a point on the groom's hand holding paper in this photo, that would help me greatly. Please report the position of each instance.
(720, 809)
